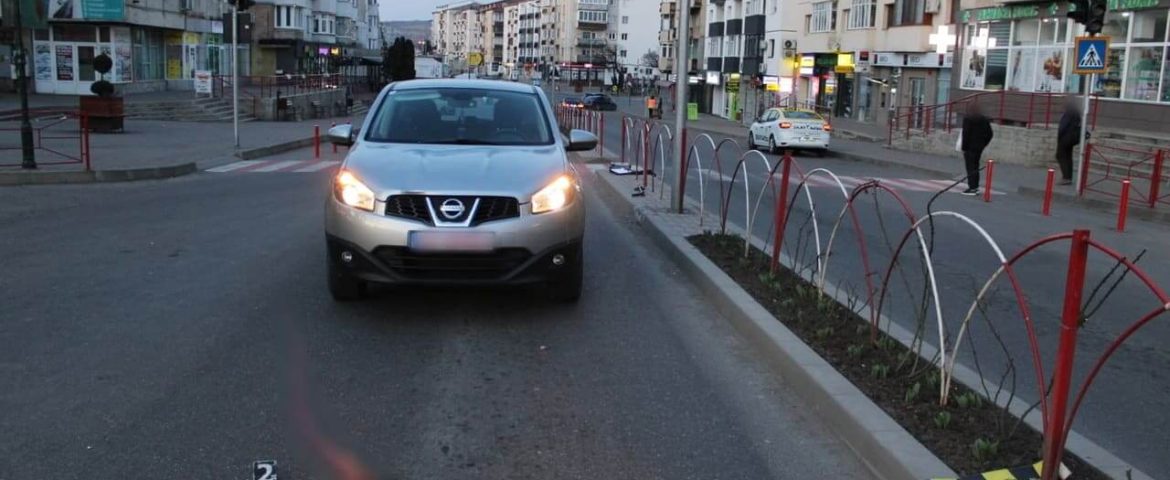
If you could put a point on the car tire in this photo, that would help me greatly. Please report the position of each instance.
(567, 286)
(343, 286)
(751, 141)
(772, 144)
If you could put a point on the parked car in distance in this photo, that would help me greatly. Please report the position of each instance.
(779, 129)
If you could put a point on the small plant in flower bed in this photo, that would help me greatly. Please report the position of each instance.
(970, 434)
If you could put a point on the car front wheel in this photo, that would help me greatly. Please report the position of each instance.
(566, 287)
(772, 144)
(751, 140)
(343, 286)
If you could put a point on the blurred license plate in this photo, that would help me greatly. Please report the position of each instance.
(452, 241)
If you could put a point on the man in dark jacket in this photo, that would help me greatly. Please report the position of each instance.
(977, 135)
(1067, 138)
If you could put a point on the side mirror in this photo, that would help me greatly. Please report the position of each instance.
(581, 141)
(343, 135)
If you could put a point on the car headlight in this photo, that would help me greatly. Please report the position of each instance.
(553, 197)
(351, 191)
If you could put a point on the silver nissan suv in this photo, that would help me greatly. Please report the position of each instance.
(457, 182)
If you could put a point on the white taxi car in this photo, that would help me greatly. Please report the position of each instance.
(780, 129)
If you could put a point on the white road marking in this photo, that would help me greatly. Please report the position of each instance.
(317, 166)
(277, 166)
(234, 166)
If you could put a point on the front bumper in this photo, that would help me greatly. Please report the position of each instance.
(524, 247)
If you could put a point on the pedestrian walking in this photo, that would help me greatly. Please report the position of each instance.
(651, 105)
(974, 138)
(1068, 136)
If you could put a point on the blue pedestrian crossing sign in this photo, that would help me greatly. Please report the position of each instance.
(1092, 55)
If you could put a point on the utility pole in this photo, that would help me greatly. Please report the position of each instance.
(28, 158)
(680, 99)
(236, 74)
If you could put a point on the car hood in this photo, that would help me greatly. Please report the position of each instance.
(518, 171)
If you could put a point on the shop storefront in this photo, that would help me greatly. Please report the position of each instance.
(145, 58)
(827, 83)
(1028, 48)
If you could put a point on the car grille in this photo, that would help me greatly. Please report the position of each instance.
(452, 266)
(495, 208)
(414, 207)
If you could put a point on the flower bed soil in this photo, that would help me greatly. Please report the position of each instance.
(842, 338)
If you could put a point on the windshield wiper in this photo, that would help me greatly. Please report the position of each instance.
(464, 141)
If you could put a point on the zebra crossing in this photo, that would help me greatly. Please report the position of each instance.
(275, 166)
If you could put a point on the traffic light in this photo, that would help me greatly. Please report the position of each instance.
(1095, 16)
(241, 5)
(1078, 10)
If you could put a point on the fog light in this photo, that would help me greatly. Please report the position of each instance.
(558, 259)
(346, 257)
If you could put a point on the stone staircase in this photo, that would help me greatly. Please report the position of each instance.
(194, 110)
(1115, 149)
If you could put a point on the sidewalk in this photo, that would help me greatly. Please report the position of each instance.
(1029, 181)
(158, 144)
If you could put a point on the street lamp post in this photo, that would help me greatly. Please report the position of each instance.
(28, 156)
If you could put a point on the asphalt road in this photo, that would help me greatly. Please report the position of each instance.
(182, 329)
(1134, 381)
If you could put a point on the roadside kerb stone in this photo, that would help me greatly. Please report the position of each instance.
(96, 176)
(265, 151)
(652, 211)
(1099, 205)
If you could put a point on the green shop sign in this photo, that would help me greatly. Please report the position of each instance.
(103, 9)
(1037, 10)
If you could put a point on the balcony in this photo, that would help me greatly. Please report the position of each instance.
(715, 64)
(590, 42)
(668, 36)
(715, 29)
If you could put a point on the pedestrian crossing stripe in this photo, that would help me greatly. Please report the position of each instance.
(900, 184)
(1027, 472)
(274, 166)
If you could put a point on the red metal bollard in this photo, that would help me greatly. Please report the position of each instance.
(1156, 178)
(1055, 434)
(1123, 209)
(601, 135)
(1048, 192)
(334, 145)
(781, 217)
(990, 175)
(317, 141)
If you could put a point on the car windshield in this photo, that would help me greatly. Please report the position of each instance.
(801, 115)
(460, 116)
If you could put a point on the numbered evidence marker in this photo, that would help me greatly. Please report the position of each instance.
(264, 470)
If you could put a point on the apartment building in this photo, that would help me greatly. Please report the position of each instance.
(1027, 47)
(154, 47)
(633, 39)
(861, 58)
(311, 36)
(734, 57)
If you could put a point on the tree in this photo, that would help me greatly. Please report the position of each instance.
(650, 59)
(398, 60)
(428, 48)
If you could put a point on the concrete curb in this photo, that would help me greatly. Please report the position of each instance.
(1103, 206)
(276, 148)
(885, 447)
(97, 176)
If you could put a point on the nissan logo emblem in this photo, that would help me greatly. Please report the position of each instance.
(451, 208)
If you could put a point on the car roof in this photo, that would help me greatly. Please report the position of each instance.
(464, 83)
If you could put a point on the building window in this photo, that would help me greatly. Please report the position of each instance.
(625, 36)
(148, 54)
(772, 48)
(863, 14)
(593, 16)
(824, 17)
(625, 19)
(908, 12)
(286, 16)
(622, 54)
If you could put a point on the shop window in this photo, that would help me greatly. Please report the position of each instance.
(1109, 83)
(1149, 26)
(41, 34)
(148, 54)
(1116, 26)
(104, 34)
(1143, 73)
(1050, 30)
(1027, 32)
(997, 67)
